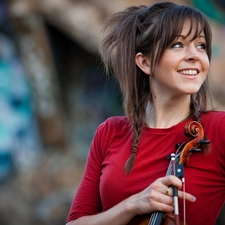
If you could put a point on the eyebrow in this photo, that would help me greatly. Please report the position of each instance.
(184, 37)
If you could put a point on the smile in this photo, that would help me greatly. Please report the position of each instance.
(188, 72)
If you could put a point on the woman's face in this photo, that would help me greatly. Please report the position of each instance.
(183, 67)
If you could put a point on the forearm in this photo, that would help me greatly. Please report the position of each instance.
(120, 214)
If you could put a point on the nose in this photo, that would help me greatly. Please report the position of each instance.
(192, 53)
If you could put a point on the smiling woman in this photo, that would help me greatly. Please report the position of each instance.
(181, 70)
(160, 56)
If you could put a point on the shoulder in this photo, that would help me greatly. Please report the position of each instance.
(115, 123)
(214, 124)
(113, 127)
(112, 130)
(214, 127)
(213, 117)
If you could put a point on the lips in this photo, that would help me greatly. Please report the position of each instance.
(188, 72)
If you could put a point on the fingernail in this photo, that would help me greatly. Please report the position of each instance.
(193, 198)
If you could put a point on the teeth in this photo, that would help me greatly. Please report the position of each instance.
(188, 72)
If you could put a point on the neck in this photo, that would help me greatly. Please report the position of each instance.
(168, 113)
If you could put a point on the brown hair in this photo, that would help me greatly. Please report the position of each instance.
(149, 30)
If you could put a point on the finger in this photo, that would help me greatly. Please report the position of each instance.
(187, 196)
(161, 197)
(163, 207)
(159, 187)
(172, 180)
(169, 191)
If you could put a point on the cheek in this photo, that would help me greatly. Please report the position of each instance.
(166, 63)
(207, 66)
(206, 63)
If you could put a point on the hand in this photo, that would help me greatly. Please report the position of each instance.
(157, 197)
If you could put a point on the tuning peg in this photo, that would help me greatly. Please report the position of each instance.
(195, 150)
(178, 145)
(203, 142)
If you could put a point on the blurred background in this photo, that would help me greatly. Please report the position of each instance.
(54, 94)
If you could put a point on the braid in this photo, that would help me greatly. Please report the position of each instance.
(140, 99)
(137, 130)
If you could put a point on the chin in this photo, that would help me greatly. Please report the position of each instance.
(192, 90)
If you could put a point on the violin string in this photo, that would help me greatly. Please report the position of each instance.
(171, 170)
(183, 189)
(184, 202)
(156, 218)
(158, 215)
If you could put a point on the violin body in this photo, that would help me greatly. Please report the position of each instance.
(168, 219)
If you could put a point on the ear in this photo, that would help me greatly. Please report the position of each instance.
(143, 63)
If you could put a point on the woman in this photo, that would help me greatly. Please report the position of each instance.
(160, 56)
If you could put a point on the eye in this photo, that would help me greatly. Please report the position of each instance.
(177, 45)
(202, 46)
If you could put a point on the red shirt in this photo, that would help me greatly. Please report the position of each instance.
(104, 183)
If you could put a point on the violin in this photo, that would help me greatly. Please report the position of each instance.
(194, 130)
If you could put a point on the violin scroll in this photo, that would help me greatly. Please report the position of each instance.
(195, 130)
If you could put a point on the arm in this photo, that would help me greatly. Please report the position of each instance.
(153, 198)
(122, 213)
